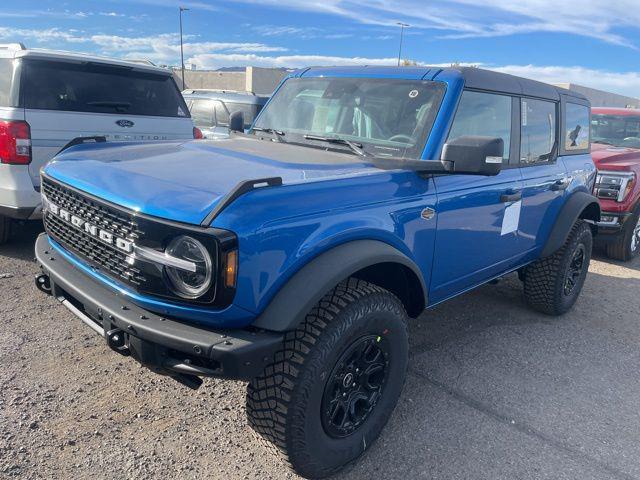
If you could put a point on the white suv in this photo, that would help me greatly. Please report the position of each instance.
(49, 98)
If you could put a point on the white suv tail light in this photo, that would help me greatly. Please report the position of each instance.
(15, 142)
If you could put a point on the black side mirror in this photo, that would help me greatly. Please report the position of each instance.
(474, 155)
(236, 122)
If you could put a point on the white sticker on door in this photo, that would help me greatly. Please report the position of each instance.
(511, 218)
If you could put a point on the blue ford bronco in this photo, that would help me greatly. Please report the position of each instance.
(292, 256)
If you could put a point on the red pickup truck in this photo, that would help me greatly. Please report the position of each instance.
(615, 136)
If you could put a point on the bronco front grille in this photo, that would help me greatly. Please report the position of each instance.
(106, 258)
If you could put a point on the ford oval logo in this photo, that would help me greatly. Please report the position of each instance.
(125, 123)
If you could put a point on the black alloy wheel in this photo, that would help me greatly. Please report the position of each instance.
(574, 272)
(354, 386)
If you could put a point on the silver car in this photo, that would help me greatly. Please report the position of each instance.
(210, 109)
(49, 98)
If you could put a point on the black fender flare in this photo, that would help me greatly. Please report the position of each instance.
(579, 205)
(305, 288)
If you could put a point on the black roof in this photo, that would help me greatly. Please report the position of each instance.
(477, 78)
(496, 81)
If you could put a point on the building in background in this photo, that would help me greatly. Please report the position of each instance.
(600, 98)
(261, 81)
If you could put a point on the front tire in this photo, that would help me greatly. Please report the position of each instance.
(628, 245)
(552, 284)
(334, 384)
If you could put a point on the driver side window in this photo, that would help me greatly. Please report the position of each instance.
(484, 114)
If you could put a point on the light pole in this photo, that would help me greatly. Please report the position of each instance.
(402, 25)
(182, 9)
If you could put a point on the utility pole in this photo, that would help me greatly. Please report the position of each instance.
(182, 9)
(402, 26)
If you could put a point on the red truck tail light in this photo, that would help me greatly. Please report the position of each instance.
(15, 142)
(197, 133)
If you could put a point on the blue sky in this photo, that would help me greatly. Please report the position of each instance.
(593, 43)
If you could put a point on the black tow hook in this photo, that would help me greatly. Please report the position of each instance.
(116, 341)
(43, 283)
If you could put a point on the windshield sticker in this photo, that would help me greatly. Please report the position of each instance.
(414, 93)
(181, 112)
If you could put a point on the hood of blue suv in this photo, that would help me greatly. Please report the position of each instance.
(184, 181)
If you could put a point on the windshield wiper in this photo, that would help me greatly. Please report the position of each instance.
(602, 142)
(278, 133)
(355, 147)
(118, 106)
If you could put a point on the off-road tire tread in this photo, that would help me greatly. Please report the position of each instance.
(268, 400)
(541, 277)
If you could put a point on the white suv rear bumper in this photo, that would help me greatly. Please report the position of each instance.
(18, 197)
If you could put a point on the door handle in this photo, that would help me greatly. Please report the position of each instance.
(559, 185)
(511, 196)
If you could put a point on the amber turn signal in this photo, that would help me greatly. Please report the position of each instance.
(231, 269)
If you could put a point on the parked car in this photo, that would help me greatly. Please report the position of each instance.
(49, 98)
(211, 109)
(294, 255)
(616, 152)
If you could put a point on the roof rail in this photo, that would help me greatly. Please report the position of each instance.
(12, 46)
(191, 91)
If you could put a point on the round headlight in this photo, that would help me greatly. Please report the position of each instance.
(186, 283)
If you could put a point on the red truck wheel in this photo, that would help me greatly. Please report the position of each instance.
(628, 245)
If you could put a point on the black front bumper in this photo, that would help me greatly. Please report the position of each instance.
(167, 346)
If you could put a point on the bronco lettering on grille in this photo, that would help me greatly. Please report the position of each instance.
(88, 228)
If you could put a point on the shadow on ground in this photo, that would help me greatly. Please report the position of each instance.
(497, 391)
(22, 241)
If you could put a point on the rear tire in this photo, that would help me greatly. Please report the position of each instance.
(628, 245)
(5, 229)
(552, 284)
(335, 382)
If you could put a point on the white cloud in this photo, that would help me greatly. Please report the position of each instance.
(58, 14)
(490, 18)
(305, 33)
(624, 83)
(216, 60)
(43, 36)
(163, 48)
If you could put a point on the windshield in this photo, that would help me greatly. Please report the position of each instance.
(617, 130)
(387, 117)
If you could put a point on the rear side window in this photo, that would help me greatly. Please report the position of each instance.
(538, 130)
(484, 114)
(202, 113)
(576, 127)
(6, 75)
(209, 113)
(100, 89)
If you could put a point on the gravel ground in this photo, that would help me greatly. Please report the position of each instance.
(494, 391)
